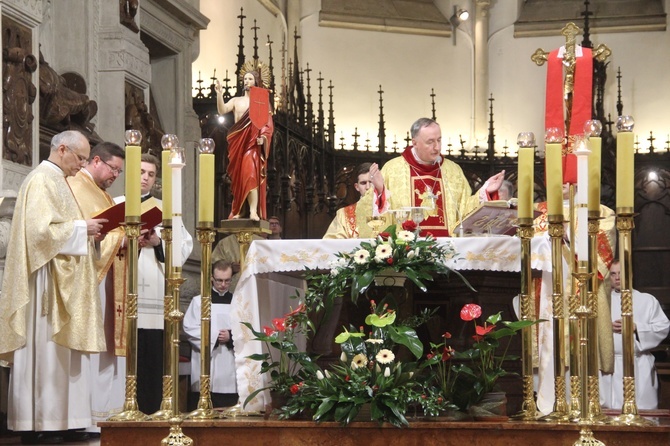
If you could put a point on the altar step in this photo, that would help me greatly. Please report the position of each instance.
(257, 431)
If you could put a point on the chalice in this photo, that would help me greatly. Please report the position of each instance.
(376, 223)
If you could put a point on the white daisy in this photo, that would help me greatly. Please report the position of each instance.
(361, 256)
(406, 236)
(385, 356)
(374, 341)
(383, 251)
(360, 360)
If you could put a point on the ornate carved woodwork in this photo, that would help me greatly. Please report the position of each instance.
(18, 92)
(127, 12)
(138, 117)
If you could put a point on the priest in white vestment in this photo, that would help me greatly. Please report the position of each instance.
(151, 297)
(108, 371)
(222, 371)
(50, 315)
(651, 327)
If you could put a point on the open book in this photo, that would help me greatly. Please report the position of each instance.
(497, 217)
(152, 215)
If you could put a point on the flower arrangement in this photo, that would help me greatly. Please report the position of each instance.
(369, 373)
(282, 359)
(478, 369)
(395, 250)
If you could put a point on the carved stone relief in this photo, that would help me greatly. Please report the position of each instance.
(18, 92)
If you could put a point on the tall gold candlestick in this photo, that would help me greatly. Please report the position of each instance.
(205, 411)
(166, 410)
(176, 437)
(528, 411)
(629, 415)
(595, 410)
(560, 412)
(133, 176)
(130, 410)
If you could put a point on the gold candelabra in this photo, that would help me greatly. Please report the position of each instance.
(130, 410)
(560, 412)
(528, 407)
(629, 415)
(176, 437)
(166, 410)
(205, 411)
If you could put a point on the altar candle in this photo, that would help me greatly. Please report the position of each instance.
(554, 171)
(206, 188)
(177, 237)
(582, 201)
(624, 170)
(133, 178)
(525, 182)
(167, 184)
(595, 144)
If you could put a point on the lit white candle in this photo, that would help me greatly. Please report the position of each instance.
(176, 163)
(582, 153)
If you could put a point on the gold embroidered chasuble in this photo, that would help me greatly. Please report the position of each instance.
(92, 200)
(343, 225)
(409, 187)
(43, 222)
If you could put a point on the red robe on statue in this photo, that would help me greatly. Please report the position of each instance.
(247, 162)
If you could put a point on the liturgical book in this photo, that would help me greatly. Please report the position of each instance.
(497, 217)
(152, 215)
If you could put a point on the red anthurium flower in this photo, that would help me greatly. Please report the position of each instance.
(446, 335)
(429, 356)
(446, 353)
(279, 324)
(295, 389)
(481, 331)
(477, 338)
(268, 331)
(409, 225)
(470, 312)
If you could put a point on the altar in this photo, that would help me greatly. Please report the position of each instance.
(274, 272)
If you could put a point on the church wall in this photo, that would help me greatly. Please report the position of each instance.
(408, 66)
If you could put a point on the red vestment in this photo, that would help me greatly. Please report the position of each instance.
(247, 162)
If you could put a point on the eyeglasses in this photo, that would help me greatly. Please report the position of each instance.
(114, 170)
(221, 280)
(81, 159)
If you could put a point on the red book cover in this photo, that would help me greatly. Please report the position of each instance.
(152, 215)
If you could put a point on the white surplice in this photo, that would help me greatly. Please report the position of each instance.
(222, 369)
(652, 327)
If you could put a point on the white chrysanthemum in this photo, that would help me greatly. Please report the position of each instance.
(383, 251)
(360, 360)
(385, 356)
(387, 372)
(361, 256)
(374, 341)
(406, 236)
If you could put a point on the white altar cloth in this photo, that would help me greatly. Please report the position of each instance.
(272, 274)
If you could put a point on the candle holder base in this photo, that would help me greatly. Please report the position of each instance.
(631, 420)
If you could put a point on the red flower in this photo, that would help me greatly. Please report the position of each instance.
(470, 312)
(389, 260)
(347, 378)
(446, 335)
(295, 389)
(447, 353)
(279, 324)
(384, 235)
(409, 225)
(299, 309)
(268, 331)
(481, 331)
(429, 356)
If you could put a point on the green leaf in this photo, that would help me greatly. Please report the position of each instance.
(406, 336)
